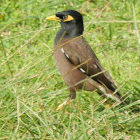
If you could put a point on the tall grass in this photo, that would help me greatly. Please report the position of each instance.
(31, 87)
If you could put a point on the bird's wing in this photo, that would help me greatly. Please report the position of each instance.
(78, 52)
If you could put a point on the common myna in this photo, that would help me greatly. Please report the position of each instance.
(76, 61)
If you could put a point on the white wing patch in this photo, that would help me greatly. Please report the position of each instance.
(62, 50)
(66, 55)
(82, 70)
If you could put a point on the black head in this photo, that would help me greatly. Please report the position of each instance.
(70, 16)
(71, 23)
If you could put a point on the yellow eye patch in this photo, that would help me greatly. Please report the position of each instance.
(68, 18)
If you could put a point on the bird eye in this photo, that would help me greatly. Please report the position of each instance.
(65, 17)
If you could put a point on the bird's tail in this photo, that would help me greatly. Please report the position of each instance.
(120, 98)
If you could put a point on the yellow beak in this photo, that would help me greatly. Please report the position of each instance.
(54, 17)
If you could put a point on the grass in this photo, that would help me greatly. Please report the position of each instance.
(31, 87)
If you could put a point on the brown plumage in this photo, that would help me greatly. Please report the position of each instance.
(76, 61)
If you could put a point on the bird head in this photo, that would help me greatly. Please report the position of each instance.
(71, 22)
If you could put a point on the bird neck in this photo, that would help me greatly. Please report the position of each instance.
(69, 30)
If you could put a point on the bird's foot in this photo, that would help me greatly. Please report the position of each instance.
(64, 104)
(107, 106)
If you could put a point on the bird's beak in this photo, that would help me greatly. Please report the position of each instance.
(54, 17)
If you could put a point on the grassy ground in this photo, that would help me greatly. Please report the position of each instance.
(31, 87)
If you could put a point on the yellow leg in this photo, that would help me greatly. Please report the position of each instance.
(64, 104)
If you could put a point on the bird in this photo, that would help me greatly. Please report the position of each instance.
(76, 61)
